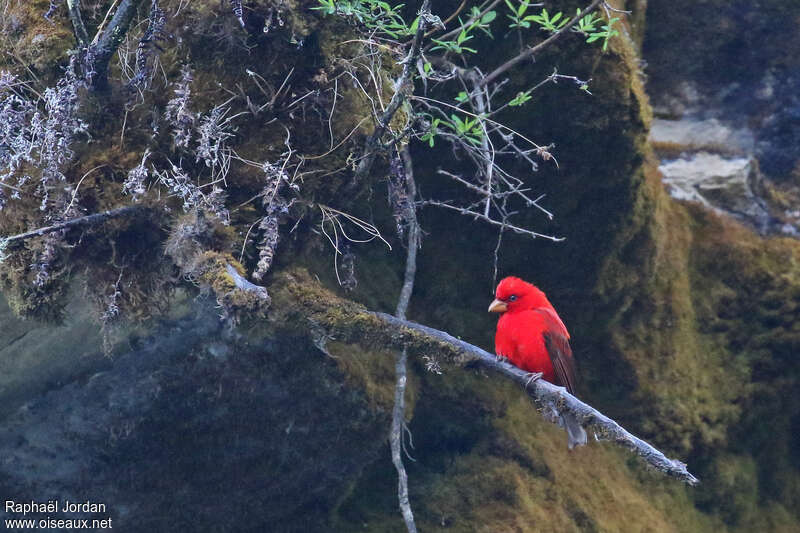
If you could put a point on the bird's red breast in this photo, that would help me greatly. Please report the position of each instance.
(531, 334)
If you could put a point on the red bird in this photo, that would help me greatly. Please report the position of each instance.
(532, 337)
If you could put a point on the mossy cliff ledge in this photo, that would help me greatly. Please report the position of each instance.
(236, 431)
(126, 386)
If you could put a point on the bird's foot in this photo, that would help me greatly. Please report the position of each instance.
(501, 358)
(532, 376)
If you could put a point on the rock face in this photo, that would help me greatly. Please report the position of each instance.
(189, 427)
(684, 321)
(721, 183)
(729, 88)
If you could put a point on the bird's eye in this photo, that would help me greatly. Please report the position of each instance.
(513, 297)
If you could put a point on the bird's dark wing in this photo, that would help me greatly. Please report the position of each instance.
(557, 346)
(561, 357)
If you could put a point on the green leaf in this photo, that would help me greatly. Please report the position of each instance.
(414, 26)
(520, 99)
(489, 17)
(462, 97)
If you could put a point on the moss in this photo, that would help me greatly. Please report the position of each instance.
(683, 322)
(740, 34)
(27, 299)
(301, 300)
(514, 475)
(32, 43)
(373, 372)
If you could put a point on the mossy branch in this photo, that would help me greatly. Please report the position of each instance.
(547, 393)
(301, 300)
(88, 220)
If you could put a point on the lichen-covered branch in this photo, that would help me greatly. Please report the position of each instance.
(88, 220)
(74, 8)
(400, 365)
(301, 300)
(110, 40)
(547, 393)
(410, 215)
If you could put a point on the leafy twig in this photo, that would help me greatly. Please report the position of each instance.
(502, 69)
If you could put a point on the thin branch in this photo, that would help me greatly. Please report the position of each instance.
(398, 412)
(395, 439)
(481, 216)
(413, 237)
(373, 142)
(502, 69)
(103, 22)
(74, 8)
(88, 220)
(78, 186)
(467, 24)
(548, 394)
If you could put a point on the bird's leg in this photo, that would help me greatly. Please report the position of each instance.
(532, 376)
(501, 358)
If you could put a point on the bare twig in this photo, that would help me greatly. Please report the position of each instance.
(103, 22)
(467, 24)
(88, 220)
(373, 142)
(481, 216)
(398, 412)
(78, 186)
(522, 56)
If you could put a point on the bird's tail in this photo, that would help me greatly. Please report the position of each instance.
(576, 435)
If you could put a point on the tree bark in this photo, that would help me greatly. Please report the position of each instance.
(400, 365)
(548, 394)
(110, 40)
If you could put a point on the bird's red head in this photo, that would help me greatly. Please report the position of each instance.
(514, 294)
